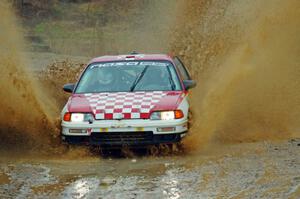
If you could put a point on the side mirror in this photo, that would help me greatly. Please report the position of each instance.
(188, 84)
(69, 88)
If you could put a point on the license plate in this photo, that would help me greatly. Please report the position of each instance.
(139, 129)
(103, 130)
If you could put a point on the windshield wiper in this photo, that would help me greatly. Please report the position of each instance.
(138, 79)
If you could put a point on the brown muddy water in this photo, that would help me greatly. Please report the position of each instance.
(255, 170)
(245, 113)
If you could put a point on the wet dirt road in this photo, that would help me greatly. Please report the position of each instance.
(255, 170)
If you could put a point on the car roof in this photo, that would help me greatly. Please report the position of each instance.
(132, 57)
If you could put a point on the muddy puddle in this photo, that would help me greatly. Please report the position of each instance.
(254, 170)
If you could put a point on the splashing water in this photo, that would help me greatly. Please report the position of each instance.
(245, 55)
(23, 118)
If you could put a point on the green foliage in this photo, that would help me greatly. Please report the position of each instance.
(40, 28)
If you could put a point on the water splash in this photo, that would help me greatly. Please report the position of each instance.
(25, 115)
(245, 55)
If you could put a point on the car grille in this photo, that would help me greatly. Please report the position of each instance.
(122, 136)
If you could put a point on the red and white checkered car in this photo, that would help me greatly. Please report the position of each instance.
(132, 99)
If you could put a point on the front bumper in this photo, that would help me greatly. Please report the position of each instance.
(124, 132)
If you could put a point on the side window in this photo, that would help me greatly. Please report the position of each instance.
(182, 70)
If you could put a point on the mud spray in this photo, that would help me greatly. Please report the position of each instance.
(25, 116)
(246, 58)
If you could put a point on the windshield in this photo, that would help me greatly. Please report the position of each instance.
(127, 76)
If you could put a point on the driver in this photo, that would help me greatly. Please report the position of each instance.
(105, 79)
(156, 78)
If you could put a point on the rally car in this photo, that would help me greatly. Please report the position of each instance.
(135, 99)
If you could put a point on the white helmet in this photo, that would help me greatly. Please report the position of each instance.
(105, 76)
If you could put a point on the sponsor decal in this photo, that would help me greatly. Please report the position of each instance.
(131, 63)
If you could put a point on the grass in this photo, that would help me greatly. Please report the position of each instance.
(88, 28)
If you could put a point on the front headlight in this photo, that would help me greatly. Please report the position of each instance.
(78, 117)
(166, 115)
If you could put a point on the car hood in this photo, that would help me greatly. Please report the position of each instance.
(124, 105)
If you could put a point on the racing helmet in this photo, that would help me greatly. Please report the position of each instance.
(105, 76)
(157, 73)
